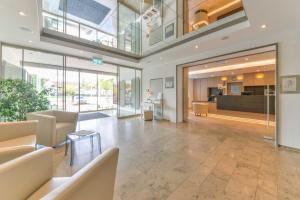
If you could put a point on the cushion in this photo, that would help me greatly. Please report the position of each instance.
(29, 140)
(48, 187)
(62, 129)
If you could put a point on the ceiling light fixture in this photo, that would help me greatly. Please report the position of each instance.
(246, 59)
(223, 7)
(22, 13)
(196, 46)
(30, 41)
(263, 26)
(236, 66)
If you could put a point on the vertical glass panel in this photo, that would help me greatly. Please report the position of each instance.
(138, 91)
(53, 22)
(54, 6)
(129, 29)
(88, 33)
(88, 91)
(72, 28)
(11, 62)
(107, 93)
(43, 70)
(72, 90)
(126, 92)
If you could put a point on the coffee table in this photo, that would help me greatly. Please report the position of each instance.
(78, 135)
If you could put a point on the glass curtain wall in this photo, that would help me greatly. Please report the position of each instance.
(129, 29)
(45, 72)
(76, 84)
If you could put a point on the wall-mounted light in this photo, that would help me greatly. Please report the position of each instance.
(259, 75)
(224, 78)
(240, 77)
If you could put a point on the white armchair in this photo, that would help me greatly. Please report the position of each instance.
(95, 181)
(53, 126)
(16, 139)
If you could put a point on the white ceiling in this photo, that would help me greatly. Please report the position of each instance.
(249, 64)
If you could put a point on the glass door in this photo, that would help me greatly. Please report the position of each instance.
(88, 92)
(107, 93)
(72, 90)
(267, 78)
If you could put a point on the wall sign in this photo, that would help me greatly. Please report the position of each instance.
(290, 84)
(169, 31)
(169, 82)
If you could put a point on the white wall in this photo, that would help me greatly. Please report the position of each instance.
(289, 64)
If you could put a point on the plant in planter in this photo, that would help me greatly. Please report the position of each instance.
(18, 97)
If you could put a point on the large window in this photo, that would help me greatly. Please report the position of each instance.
(75, 84)
(12, 62)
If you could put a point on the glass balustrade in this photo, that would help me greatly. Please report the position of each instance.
(136, 26)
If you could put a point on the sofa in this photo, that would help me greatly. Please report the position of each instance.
(17, 139)
(31, 177)
(53, 126)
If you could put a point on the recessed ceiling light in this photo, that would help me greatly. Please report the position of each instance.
(80, 51)
(263, 26)
(22, 13)
(205, 66)
(246, 59)
(196, 46)
(232, 73)
(30, 41)
(258, 70)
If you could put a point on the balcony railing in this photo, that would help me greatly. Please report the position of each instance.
(58, 23)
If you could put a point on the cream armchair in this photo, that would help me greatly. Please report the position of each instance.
(16, 139)
(53, 126)
(31, 177)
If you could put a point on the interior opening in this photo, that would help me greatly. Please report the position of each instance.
(236, 88)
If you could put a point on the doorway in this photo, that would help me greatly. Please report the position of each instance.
(235, 88)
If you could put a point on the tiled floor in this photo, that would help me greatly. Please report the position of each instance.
(206, 159)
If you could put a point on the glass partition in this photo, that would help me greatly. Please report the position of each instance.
(129, 92)
(12, 59)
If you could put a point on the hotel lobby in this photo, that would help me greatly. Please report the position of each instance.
(149, 99)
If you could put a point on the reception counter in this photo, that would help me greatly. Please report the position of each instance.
(246, 103)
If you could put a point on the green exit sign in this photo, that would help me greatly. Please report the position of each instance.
(97, 61)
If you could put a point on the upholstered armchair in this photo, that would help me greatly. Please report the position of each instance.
(31, 177)
(16, 139)
(53, 126)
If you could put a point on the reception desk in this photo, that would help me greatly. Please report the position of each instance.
(246, 103)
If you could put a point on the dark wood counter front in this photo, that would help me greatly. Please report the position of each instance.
(246, 103)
